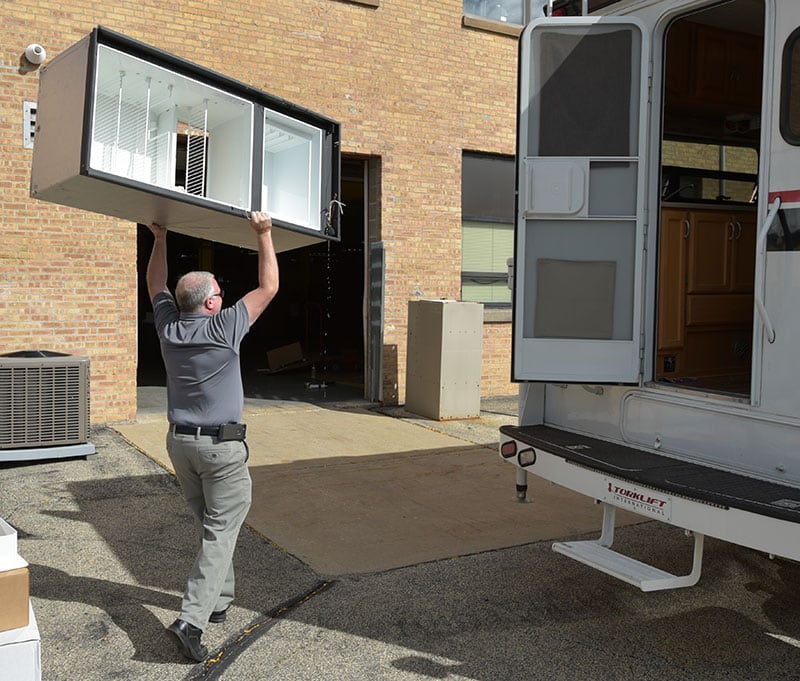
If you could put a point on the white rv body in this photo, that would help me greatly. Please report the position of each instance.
(652, 314)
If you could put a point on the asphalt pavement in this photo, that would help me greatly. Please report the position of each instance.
(109, 543)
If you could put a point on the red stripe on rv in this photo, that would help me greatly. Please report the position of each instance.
(787, 196)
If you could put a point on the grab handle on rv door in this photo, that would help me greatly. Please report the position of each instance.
(759, 292)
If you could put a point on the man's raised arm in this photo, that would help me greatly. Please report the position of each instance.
(157, 265)
(257, 300)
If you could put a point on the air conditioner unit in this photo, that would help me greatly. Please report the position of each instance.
(44, 406)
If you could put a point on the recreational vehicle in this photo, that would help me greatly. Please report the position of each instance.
(656, 272)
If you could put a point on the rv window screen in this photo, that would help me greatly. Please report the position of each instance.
(587, 78)
(790, 90)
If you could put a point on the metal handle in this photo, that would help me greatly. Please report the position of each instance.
(773, 213)
(738, 230)
(731, 230)
(687, 226)
(759, 293)
(762, 312)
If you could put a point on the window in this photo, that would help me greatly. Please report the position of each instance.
(695, 171)
(507, 11)
(790, 90)
(487, 218)
(565, 8)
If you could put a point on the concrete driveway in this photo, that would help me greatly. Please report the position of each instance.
(109, 543)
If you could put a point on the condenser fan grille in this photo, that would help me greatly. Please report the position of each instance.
(43, 403)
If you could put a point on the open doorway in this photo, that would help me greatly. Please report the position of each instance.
(709, 183)
(309, 344)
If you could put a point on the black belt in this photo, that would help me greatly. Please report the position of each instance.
(213, 431)
(224, 433)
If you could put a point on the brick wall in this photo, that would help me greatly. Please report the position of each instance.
(409, 84)
(496, 373)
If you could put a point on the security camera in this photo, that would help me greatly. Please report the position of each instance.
(35, 53)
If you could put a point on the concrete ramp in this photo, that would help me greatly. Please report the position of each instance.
(351, 490)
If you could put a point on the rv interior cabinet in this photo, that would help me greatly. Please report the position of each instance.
(706, 295)
(129, 131)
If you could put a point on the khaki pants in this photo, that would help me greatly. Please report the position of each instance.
(216, 484)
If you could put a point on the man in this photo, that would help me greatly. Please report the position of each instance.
(200, 347)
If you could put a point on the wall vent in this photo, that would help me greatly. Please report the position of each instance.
(44, 400)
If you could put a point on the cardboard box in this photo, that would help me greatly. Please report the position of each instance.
(284, 355)
(14, 581)
(14, 595)
(9, 558)
(21, 652)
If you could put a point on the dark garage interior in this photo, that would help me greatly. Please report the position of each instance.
(309, 344)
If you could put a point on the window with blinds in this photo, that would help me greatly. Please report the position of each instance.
(487, 236)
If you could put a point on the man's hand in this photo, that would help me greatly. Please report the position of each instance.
(157, 230)
(260, 222)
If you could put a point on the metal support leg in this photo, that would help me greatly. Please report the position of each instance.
(609, 518)
(522, 486)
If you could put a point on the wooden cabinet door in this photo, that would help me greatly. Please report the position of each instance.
(745, 67)
(711, 55)
(672, 278)
(709, 266)
(730, 68)
(679, 60)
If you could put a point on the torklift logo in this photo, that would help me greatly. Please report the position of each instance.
(639, 500)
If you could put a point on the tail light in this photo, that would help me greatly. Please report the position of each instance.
(508, 449)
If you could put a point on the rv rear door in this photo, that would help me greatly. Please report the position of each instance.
(583, 91)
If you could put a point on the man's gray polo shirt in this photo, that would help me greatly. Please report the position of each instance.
(201, 356)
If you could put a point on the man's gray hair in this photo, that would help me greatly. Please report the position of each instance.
(192, 290)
